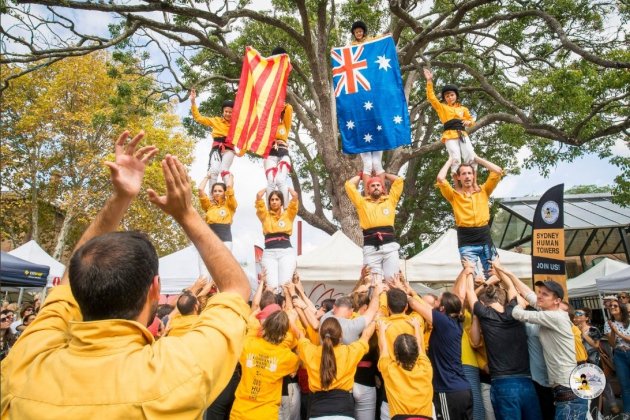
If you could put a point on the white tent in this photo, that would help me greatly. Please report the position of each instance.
(440, 262)
(32, 252)
(616, 282)
(584, 284)
(180, 269)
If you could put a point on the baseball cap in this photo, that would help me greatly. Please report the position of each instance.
(554, 286)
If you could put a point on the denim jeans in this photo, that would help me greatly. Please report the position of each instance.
(514, 398)
(485, 253)
(575, 409)
(472, 376)
(621, 360)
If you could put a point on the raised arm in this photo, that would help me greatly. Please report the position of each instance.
(489, 165)
(521, 287)
(441, 176)
(372, 308)
(421, 307)
(382, 339)
(223, 267)
(259, 290)
(202, 185)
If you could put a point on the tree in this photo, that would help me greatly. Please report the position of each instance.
(541, 74)
(588, 189)
(58, 128)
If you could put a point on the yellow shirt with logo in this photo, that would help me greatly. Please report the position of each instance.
(284, 127)
(219, 212)
(346, 356)
(220, 126)
(447, 112)
(408, 392)
(375, 213)
(263, 366)
(470, 210)
(63, 368)
(277, 222)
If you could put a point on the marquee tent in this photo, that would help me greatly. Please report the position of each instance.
(32, 252)
(585, 284)
(616, 282)
(16, 272)
(440, 261)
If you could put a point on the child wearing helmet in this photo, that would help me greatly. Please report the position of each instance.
(221, 154)
(456, 119)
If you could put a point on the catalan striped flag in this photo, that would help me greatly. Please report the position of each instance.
(259, 102)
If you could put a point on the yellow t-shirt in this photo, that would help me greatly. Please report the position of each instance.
(470, 210)
(468, 352)
(447, 112)
(398, 325)
(346, 356)
(408, 392)
(263, 366)
(220, 126)
(219, 212)
(181, 324)
(381, 212)
(274, 222)
(580, 351)
(254, 329)
(284, 127)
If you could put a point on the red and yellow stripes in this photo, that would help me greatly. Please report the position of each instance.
(259, 102)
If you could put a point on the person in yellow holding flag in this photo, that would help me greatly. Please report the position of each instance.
(264, 362)
(278, 258)
(221, 153)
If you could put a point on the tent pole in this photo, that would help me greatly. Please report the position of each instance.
(601, 304)
(19, 302)
(44, 290)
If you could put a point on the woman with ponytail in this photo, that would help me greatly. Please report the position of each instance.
(407, 374)
(331, 367)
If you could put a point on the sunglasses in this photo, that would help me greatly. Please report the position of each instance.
(579, 313)
(614, 306)
(623, 297)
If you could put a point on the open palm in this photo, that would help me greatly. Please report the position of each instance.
(127, 171)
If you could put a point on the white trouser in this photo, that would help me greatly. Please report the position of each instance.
(280, 265)
(203, 270)
(487, 403)
(290, 405)
(372, 162)
(384, 260)
(276, 171)
(219, 163)
(364, 401)
(385, 411)
(460, 152)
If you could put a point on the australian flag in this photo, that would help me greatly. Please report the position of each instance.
(371, 108)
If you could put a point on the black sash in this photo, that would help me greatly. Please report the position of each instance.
(454, 124)
(378, 236)
(277, 240)
(473, 236)
(335, 402)
(222, 230)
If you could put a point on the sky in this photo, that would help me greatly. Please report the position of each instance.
(250, 178)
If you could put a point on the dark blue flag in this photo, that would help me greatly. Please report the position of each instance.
(371, 108)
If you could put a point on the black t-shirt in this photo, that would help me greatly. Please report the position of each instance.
(506, 341)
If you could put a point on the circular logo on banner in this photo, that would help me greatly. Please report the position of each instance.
(281, 223)
(386, 212)
(222, 212)
(550, 212)
(588, 381)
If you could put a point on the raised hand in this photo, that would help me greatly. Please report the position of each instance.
(193, 96)
(178, 199)
(127, 171)
(427, 74)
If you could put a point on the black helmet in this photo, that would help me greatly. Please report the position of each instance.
(278, 50)
(450, 88)
(359, 24)
(228, 103)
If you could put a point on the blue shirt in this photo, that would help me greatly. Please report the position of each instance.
(445, 352)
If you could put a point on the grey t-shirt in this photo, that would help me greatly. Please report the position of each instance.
(351, 328)
(556, 338)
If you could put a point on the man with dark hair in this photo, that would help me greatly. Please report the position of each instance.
(188, 307)
(352, 327)
(471, 209)
(94, 324)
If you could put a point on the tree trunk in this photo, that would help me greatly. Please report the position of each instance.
(63, 234)
(34, 207)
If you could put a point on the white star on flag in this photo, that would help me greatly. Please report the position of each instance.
(350, 125)
(367, 138)
(379, 128)
(368, 105)
(383, 63)
(397, 119)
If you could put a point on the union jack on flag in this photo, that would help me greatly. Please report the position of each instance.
(348, 70)
(372, 110)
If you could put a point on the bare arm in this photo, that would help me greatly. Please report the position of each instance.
(475, 332)
(417, 332)
(372, 308)
(221, 264)
(382, 339)
(391, 177)
(355, 180)
(422, 308)
(202, 185)
(459, 288)
(259, 290)
(488, 165)
(441, 176)
(521, 287)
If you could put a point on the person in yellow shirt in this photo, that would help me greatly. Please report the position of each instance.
(278, 257)
(220, 207)
(264, 361)
(331, 367)
(456, 119)
(407, 373)
(377, 212)
(89, 354)
(471, 209)
(188, 307)
(221, 153)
